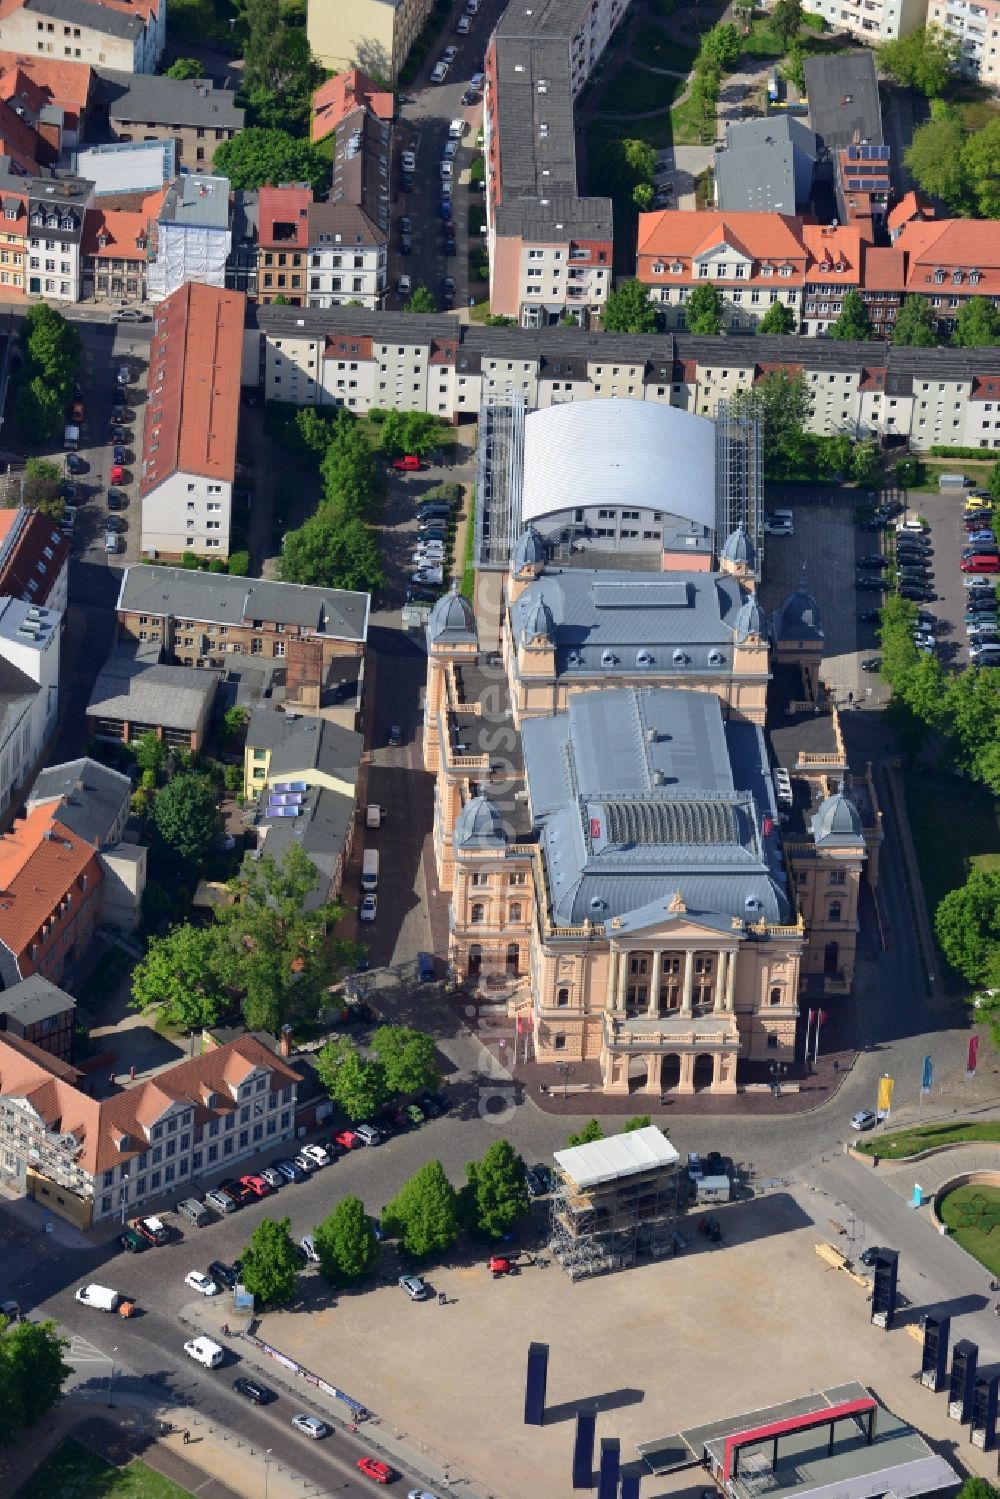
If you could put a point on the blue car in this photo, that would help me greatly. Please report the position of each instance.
(119, 454)
(982, 536)
(445, 209)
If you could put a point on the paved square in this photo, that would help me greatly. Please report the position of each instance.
(716, 1332)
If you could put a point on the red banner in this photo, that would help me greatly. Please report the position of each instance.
(973, 1057)
(821, 1017)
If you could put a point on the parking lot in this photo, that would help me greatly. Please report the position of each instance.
(944, 515)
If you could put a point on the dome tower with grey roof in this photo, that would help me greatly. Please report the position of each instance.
(738, 555)
(479, 825)
(836, 821)
(528, 555)
(799, 617)
(750, 622)
(537, 621)
(451, 620)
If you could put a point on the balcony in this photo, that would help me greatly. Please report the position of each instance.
(666, 1033)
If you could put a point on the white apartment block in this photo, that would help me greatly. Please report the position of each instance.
(976, 26)
(103, 33)
(29, 671)
(871, 20)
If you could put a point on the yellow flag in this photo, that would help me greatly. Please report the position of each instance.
(885, 1087)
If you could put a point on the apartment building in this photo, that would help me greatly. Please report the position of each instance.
(206, 619)
(52, 95)
(189, 435)
(341, 95)
(34, 559)
(56, 210)
(318, 254)
(190, 239)
(90, 1159)
(126, 34)
(872, 21)
(753, 259)
(550, 250)
(94, 803)
(975, 25)
(950, 261)
(115, 250)
(411, 362)
(191, 112)
(52, 883)
(372, 34)
(29, 670)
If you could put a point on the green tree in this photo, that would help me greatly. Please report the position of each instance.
(980, 155)
(977, 325)
(409, 1058)
(424, 1213)
(779, 318)
(978, 1488)
(641, 1121)
(41, 487)
(345, 1242)
(150, 752)
(703, 309)
(786, 20)
(357, 1085)
(866, 462)
(794, 66)
(705, 91)
(924, 60)
(781, 402)
(591, 1131)
(38, 410)
(497, 1189)
(993, 482)
(186, 815)
(935, 158)
(328, 552)
(853, 322)
(833, 456)
(420, 300)
(722, 45)
(916, 325)
(629, 310)
(32, 1373)
(258, 156)
(967, 923)
(639, 159)
(277, 947)
(186, 67)
(53, 346)
(264, 29)
(643, 196)
(316, 429)
(234, 723)
(270, 1263)
(179, 977)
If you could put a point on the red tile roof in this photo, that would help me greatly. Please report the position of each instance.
(125, 230)
(41, 863)
(908, 207)
(128, 1116)
(283, 217)
(193, 407)
(830, 248)
(335, 99)
(33, 550)
(37, 81)
(672, 237)
(951, 245)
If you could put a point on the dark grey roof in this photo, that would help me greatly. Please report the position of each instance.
(799, 617)
(320, 830)
(529, 550)
(837, 822)
(603, 621)
(479, 825)
(770, 130)
(117, 23)
(750, 620)
(842, 90)
(197, 201)
(34, 999)
(757, 178)
(93, 797)
(451, 619)
(172, 697)
(168, 101)
(636, 797)
(319, 745)
(738, 547)
(343, 224)
(216, 598)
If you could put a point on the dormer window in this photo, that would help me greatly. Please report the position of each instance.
(974, 277)
(52, 221)
(658, 268)
(768, 270)
(103, 241)
(38, 220)
(676, 268)
(956, 278)
(786, 270)
(67, 221)
(939, 276)
(140, 241)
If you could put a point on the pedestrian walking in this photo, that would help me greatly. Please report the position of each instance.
(442, 1299)
(187, 1437)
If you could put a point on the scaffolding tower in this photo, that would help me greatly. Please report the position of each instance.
(499, 477)
(607, 1211)
(739, 476)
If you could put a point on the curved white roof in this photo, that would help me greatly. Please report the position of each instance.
(623, 452)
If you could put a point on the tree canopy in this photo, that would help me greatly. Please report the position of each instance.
(967, 923)
(328, 551)
(592, 1130)
(179, 978)
(345, 1242)
(355, 1083)
(916, 324)
(853, 322)
(703, 309)
(722, 45)
(786, 21)
(420, 300)
(270, 1263)
(924, 60)
(408, 1057)
(259, 155)
(50, 358)
(497, 1189)
(782, 403)
(32, 1373)
(977, 325)
(424, 1213)
(958, 166)
(779, 318)
(186, 815)
(629, 310)
(185, 67)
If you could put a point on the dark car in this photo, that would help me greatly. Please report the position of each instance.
(226, 1275)
(234, 1190)
(449, 244)
(432, 533)
(395, 735)
(534, 1183)
(448, 291)
(131, 1242)
(873, 560)
(119, 433)
(290, 1171)
(70, 493)
(118, 453)
(120, 413)
(470, 97)
(406, 182)
(426, 968)
(875, 585)
(431, 1105)
(117, 499)
(916, 593)
(74, 464)
(406, 244)
(415, 595)
(546, 1173)
(873, 663)
(869, 616)
(253, 1390)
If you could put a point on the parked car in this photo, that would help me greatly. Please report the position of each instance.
(307, 1244)
(448, 291)
(534, 1183)
(871, 585)
(241, 1195)
(133, 1243)
(74, 463)
(204, 1284)
(311, 1426)
(439, 72)
(117, 499)
(221, 1201)
(257, 1185)
(404, 286)
(226, 1275)
(129, 315)
(306, 1163)
(408, 162)
(873, 663)
(873, 560)
(470, 97)
(869, 617)
(117, 474)
(253, 1390)
(289, 1171)
(409, 463)
(499, 1264)
(414, 1287)
(448, 55)
(368, 1134)
(273, 1177)
(317, 1154)
(346, 1139)
(369, 908)
(864, 1119)
(405, 223)
(406, 244)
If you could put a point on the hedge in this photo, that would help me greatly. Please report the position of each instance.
(983, 454)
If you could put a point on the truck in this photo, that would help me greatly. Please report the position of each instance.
(71, 437)
(373, 815)
(369, 871)
(204, 1351)
(152, 1229)
(101, 1297)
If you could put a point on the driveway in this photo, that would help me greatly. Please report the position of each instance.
(686, 163)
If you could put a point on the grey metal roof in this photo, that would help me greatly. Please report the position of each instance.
(772, 129)
(173, 697)
(842, 89)
(116, 23)
(635, 794)
(479, 825)
(452, 619)
(34, 999)
(757, 178)
(604, 620)
(320, 745)
(92, 795)
(320, 831)
(216, 598)
(197, 201)
(799, 617)
(168, 101)
(837, 822)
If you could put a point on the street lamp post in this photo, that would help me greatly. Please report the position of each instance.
(123, 1196)
(267, 1468)
(565, 1071)
(778, 1070)
(111, 1382)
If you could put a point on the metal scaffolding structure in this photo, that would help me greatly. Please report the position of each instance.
(739, 476)
(609, 1226)
(499, 477)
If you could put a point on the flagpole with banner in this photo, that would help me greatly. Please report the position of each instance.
(810, 1017)
(821, 1018)
(972, 1059)
(883, 1106)
(926, 1081)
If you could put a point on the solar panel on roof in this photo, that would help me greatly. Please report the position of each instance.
(283, 811)
(293, 799)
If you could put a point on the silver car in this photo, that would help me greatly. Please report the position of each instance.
(414, 1287)
(311, 1426)
(273, 1176)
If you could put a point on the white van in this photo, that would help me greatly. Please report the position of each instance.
(71, 438)
(373, 815)
(439, 72)
(101, 1297)
(204, 1351)
(369, 870)
(456, 130)
(779, 523)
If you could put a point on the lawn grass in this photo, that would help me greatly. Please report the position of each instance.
(467, 587)
(900, 1143)
(970, 467)
(956, 826)
(976, 1237)
(687, 126)
(74, 1472)
(652, 44)
(636, 90)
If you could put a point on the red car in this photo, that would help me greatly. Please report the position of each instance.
(372, 1468)
(117, 474)
(255, 1184)
(346, 1139)
(499, 1264)
(408, 464)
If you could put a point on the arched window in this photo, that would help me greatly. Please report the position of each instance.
(562, 997)
(515, 910)
(478, 911)
(834, 914)
(775, 996)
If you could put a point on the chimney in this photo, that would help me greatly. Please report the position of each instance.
(285, 1041)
